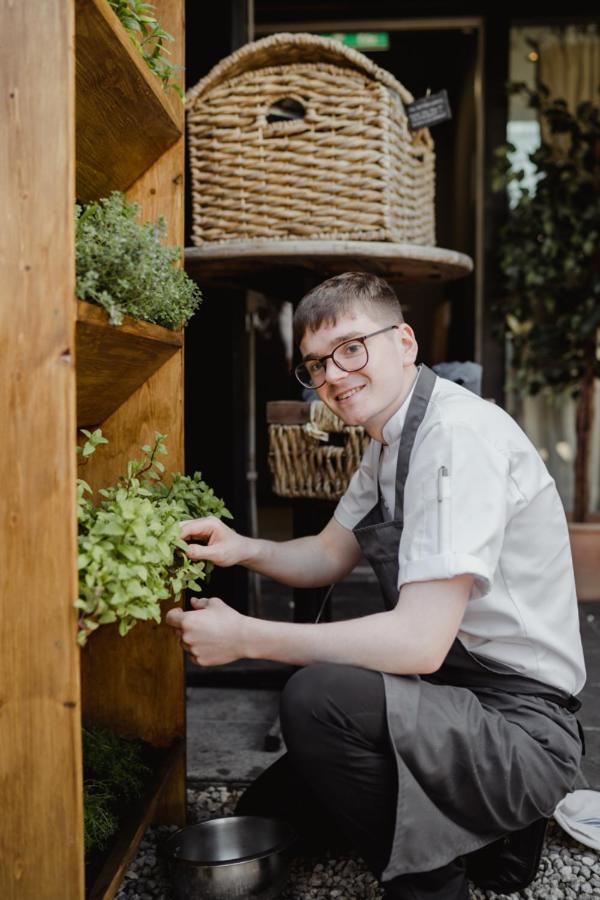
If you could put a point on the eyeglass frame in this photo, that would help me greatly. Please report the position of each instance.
(323, 359)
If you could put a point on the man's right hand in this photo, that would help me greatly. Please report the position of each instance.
(220, 545)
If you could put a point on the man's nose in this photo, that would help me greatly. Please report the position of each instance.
(333, 372)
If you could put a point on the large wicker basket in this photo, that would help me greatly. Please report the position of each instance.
(299, 137)
(314, 457)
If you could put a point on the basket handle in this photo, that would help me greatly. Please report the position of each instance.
(311, 428)
(285, 110)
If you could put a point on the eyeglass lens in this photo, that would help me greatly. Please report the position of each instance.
(349, 356)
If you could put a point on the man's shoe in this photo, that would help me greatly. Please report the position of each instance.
(510, 863)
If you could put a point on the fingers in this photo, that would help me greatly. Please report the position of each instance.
(174, 618)
(199, 602)
(201, 551)
(199, 528)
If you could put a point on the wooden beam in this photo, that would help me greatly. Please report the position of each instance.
(41, 835)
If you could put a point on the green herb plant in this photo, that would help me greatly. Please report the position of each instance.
(123, 266)
(114, 774)
(549, 256)
(130, 555)
(148, 37)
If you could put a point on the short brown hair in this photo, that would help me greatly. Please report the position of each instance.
(335, 297)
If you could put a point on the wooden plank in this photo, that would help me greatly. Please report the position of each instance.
(114, 361)
(125, 119)
(132, 830)
(253, 262)
(288, 412)
(41, 835)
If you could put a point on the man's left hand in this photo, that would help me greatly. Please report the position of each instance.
(212, 633)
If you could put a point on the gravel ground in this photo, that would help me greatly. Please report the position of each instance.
(568, 869)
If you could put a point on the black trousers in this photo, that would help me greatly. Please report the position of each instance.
(337, 783)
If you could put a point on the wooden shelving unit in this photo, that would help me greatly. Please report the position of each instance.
(63, 365)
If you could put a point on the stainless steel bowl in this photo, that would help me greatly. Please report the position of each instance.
(233, 857)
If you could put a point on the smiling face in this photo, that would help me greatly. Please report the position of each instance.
(370, 396)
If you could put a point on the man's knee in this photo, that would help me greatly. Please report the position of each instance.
(324, 697)
(307, 698)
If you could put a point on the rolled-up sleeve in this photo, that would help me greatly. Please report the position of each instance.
(456, 506)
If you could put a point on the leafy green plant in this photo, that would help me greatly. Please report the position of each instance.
(114, 774)
(148, 37)
(549, 256)
(99, 820)
(123, 266)
(130, 554)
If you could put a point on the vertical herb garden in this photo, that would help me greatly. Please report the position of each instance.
(93, 705)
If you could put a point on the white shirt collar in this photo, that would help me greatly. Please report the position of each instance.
(392, 430)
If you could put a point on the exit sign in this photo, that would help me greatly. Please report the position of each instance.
(362, 40)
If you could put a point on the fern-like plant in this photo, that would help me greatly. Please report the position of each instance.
(114, 774)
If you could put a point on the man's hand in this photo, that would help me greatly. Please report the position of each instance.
(221, 545)
(212, 633)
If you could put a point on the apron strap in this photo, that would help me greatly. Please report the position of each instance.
(415, 414)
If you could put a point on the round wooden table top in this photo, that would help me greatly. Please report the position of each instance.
(255, 263)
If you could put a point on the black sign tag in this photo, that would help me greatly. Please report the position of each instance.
(429, 110)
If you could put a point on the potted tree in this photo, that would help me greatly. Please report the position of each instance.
(549, 257)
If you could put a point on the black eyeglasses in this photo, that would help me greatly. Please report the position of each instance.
(349, 356)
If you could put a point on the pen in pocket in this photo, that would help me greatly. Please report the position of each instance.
(443, 496)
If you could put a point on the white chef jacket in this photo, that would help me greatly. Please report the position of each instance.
(495, 515)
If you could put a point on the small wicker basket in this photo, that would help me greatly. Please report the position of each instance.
(299, 137)
(316, 459)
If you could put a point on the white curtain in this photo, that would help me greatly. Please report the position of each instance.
(569, 65)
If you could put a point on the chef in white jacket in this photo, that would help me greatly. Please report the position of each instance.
(437, 736)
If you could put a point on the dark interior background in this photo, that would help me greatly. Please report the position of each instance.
(442, 315)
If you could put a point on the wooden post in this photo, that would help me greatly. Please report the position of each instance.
(41, 838)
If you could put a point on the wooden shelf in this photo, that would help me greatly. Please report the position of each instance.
(125, 120)
(269, 264)
(131, 832)
(113, 361)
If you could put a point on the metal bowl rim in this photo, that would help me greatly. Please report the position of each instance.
(214, 864)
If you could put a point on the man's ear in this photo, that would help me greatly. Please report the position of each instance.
(409, 343)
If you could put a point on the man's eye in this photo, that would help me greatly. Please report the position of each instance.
(315, 366)
(352, 349)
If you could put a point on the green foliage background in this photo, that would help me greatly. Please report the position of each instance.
(549, 251)
(124, 266)
(130, 556)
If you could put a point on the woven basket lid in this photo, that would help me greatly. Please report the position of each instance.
(285, 49)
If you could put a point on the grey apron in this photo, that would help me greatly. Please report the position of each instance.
(480, 750)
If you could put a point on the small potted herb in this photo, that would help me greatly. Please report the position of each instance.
(130, 555)
(123, 265)
(148, 37)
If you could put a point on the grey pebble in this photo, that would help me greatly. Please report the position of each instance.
(567, 871)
